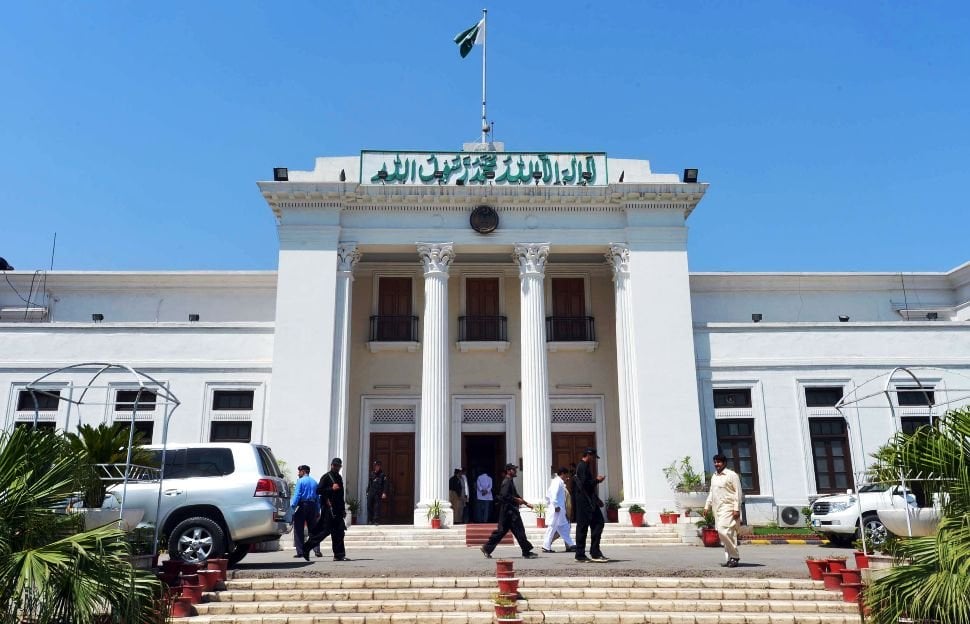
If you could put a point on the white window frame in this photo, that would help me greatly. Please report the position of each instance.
(58, 417)
(112, 415)
(756, 413)
(255, 415)
(570, 345)
(376, 346)
(806, 413)
(500, 346)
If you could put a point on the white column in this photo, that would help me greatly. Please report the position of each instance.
(536, 415)
(434, 426)
(631, 438)
(347, 257)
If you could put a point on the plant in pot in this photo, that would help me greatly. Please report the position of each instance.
(689, 485)
(505, 608)
(540, 511)
(636, 515)
(706, 528)
(612, 510)
(434, 514)
(353, 504)
(668, 517)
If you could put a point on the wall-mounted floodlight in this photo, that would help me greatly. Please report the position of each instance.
(281, 174)
(756, 317)
(690, 176)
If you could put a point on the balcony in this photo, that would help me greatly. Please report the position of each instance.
(393, 333)
(571, 333)
(482, 333)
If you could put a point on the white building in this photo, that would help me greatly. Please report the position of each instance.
(445, 309)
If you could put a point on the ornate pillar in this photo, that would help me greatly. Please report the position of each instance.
(434, 426)
(536, 415)
(347, 258)
(631, 440)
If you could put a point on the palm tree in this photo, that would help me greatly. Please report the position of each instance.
(50, 571)
(935, 586)
(104, 444)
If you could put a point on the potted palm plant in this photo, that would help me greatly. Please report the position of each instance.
(434, 514)
(707, 530)
(636, 515)
(612, 510)
(353, 504)
(540, 509)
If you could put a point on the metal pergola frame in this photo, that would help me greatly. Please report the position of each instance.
(115, 473)
(889, 388)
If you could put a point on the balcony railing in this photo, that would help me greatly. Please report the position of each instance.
(393, 329)
(482, 328)
(570, 329)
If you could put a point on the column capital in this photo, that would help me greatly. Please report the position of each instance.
(347, 257)
(436, 257)
(619, 258)
(531, 258)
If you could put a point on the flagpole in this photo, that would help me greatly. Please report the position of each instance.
(484, 47)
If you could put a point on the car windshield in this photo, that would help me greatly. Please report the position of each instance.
(873, 487)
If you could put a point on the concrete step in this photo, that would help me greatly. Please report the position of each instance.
(489, 582)
(549, 617)
(406, 536)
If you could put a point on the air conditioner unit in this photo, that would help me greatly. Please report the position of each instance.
(790, 517)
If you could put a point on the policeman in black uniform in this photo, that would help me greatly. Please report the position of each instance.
(509, 518)
(376, 492)
(588, 508)
(332, 508)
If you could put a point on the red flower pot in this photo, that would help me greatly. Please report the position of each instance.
(851, 591)
(861, 560)
(851, 576)
(832, 580)
(816, 567)
(193, 593)
(506, 611)
(208, 579)
(636, 518)
(836, 565)
(503, 568)
(508, 585)
(182, 607)
(189, 579)
(669, 518)
(219, 564)
(710, 537)
(540, 522)
(436, 523)
(190, 568)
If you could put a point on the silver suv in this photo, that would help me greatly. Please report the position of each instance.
(837, 517)
(215, 499)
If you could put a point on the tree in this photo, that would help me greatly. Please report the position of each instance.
(50, 571)
(104, 444)
(935, 585)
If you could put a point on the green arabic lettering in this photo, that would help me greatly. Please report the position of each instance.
(396, 175)
(546, 168)
(427, 178)
(591, 167)
(569, 175)
(507, 161)
(377, 176)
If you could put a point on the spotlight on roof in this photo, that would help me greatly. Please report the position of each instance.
(490, 174)
(382, 175)
(97, 317)
(439, 175)
(281, 174)
(537, 175)
(193, 317)
(756, 317)
(459, 182)
(932, 316)
(690, 176)
(4, 265)
(843, 318)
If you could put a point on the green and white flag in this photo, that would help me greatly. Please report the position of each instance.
(471, 37)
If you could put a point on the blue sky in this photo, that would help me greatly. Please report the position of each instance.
(835, 135)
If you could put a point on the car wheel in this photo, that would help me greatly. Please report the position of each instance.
(237, 553)
(874, 529)
(194, 540)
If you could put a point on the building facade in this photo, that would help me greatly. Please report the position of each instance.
(436, 310)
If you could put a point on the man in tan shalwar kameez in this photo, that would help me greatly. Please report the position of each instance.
(725, 500)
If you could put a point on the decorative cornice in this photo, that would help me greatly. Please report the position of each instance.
(531, 258)
(619, 259)
(436, 257)
(347, 257)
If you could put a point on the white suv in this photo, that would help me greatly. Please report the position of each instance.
(215, 499)
(837, 517)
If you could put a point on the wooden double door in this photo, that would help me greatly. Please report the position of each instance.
(396, 454)
(568, 447)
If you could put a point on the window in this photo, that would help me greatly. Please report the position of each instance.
(46, 400)
(482, 320)
(125, 400)
(226, 400)
(569, 321)
(909, 424)
(394, 322)
(830, 453)
(208, 462)
(732, 398)
(44, 424)
(231, 431)
(735, 439)
(144, 428)
(914, 396)
(822, 396)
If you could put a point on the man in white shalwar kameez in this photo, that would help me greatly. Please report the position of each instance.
(725, 499)
(556, 503)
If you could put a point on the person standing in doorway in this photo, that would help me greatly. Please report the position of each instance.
(556, 501)
(588, 507)
(725, 500)
(483, 502)
(376, 492)
(306, 508)
(333, 510)
(464, 496)
(454, 495)
(508, 517)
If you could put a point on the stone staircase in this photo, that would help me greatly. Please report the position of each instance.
(405, 536)
(548, 600)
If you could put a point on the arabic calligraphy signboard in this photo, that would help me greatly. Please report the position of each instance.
(500, 168)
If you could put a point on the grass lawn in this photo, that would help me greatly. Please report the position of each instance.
(764, 530)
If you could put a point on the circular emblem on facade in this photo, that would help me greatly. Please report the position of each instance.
(484, 219)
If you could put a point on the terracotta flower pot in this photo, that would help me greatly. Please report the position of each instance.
(832, 580)
(436, 523)
(503, 568)
(861, 560)
(182, 607)
(540, 522)
(669, 518)
(636, 518)
(222, 565)
(506, 611)
(816, 567)
(836, 565)
(209, 579)
(189, 579)
(190, 568)
(508, 585)
(193, 593)
(851, 576)
(851, 591)
(710, 537)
